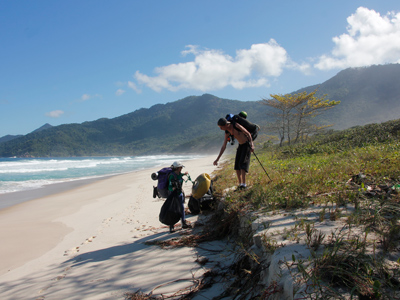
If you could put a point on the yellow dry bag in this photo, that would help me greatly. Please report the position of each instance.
(201, 185)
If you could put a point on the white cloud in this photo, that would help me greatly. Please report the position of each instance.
(134, 87)
(55, 114)
(214, 70)
(120, 83)
(86, 97)
(119, 92)
(370, 39)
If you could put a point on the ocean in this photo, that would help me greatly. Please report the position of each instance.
(23, 174)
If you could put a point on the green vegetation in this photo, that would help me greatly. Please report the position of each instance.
(188, 125)
(366, 95)
(294, 115)
(351, 177)
(320, 169)
(357, 168)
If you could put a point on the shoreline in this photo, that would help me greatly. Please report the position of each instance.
(102, 224)
(15, 198)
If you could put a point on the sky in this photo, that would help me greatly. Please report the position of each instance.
(65, 62)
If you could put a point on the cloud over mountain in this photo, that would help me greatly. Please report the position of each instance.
(214, 70)
(370, 39)
(55, 113)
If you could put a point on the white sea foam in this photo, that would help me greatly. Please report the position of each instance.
(18, 174)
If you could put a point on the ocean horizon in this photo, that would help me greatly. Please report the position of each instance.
(24, 174)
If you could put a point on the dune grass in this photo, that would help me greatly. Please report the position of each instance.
(358, 167)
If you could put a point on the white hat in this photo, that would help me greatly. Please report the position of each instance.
(176, 165)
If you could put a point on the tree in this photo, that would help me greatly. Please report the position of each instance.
(294, 113)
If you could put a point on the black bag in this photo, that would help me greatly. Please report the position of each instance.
(171, 211)
(206, 202)
(194, 205)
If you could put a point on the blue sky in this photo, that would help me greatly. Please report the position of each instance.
(74, 61)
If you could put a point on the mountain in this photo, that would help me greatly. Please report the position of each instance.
(9, 137)
(368, 95)
(44, 127)
(183, 126)
(189, 125)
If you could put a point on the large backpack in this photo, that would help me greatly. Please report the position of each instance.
(162, 183)
(250, 127)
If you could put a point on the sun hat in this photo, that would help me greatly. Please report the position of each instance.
(176, 165)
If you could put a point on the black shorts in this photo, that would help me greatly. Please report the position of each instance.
(242, 160)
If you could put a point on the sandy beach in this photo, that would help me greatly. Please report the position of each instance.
(88, 242)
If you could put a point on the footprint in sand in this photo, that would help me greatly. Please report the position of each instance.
(135, 229)
(71, 251)
(106, 221)
(89, 240)
(129, 221)
(58, 278)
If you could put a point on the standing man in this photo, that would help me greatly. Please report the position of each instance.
(243, 152)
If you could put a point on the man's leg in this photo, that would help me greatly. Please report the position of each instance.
(242, 163)
(243, 171)
(238, 164)
(239, 176)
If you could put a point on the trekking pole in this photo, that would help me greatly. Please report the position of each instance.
(262, 166)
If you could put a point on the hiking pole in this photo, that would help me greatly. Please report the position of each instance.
(262, 166)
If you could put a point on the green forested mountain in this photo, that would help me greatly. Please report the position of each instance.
(186, 125)
(367, 95)
(9, 137)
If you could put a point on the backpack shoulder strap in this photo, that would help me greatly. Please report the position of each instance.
(233, 122)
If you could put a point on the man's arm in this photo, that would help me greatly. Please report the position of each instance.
(222, 149)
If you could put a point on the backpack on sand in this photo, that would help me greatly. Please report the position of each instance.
(206, 202)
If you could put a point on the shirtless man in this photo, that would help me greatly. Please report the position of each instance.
(243, 152)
